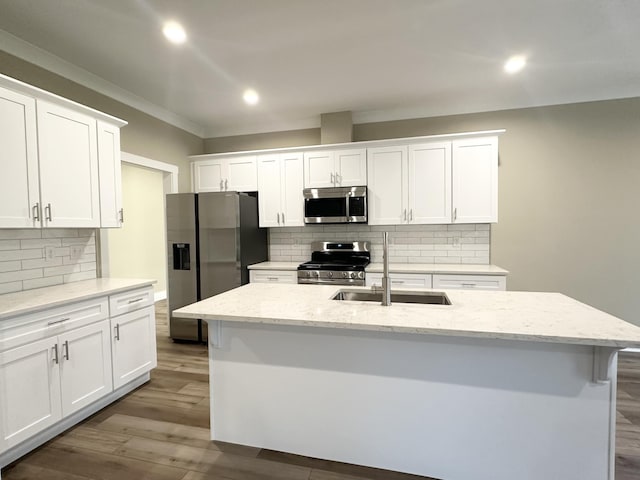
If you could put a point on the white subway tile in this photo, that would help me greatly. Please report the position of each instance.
(483, 226)
(461, 227)
(41, 262)
(40, 243)
(20, 275)
(42, 282)
(10, 287)
(9, 244)
(63, 270)
(447, 260)
(19, 234)
(10, 266)
(20, 254)
(75, 277)
(59, 233)
(78, 241)
(85, 267)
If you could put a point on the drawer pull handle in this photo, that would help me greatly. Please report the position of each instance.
(55, 353)
(55, 322)
(272, 279)
(136, 300)
(65, 350)
(469, 285)
(117, 328)
(397, 281)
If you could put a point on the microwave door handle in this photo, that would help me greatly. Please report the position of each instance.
(348, 203)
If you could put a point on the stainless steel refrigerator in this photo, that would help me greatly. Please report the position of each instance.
(212, 237)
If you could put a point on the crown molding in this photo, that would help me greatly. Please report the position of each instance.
(37, 56)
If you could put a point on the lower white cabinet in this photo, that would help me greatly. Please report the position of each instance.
(56, 362)
(133, 345)
(399, 280)
(470, 282)
(273, 276)
(28, 407)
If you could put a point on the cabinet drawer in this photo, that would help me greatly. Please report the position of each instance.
(130, 301)
(470, 282)
(53, 321)
(273, 276)
(399, 280)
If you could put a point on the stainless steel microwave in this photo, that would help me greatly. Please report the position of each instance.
(335, 205)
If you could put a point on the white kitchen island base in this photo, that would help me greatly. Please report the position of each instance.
(448, 407)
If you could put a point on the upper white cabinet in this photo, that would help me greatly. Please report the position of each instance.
(410, 184)
(68, 149)
(340, 168)
(19, 190)
(110, 175)
(61, 161)
(280, 185)
(237, 173)
(475, 180)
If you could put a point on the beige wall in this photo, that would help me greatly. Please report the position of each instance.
(144, 135)
(569, 194)
(292, 138)
(138, 249)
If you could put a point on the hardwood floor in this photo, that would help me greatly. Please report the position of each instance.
(161, 432)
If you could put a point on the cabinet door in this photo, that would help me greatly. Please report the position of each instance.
(470, 282)
(242, 174)
(67, 145)
(430, 183)
(134, 345)
(387, 185)
(110, 174)
(85, 366)
(292, 185)
(400, 280)
(269, 195)
(19, 190)
(319, 170)
(29, 391)
(351, 167)
(475, 180)
(208, 175)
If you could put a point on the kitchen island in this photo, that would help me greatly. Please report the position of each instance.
(497, 385)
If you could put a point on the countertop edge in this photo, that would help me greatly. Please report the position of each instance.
(69, 297)
(427, 268)
(415, 330)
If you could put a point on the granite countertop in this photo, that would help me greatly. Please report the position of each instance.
(19, 303)
(445, 268)
(527, 316)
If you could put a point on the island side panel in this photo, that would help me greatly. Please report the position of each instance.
(446, 407)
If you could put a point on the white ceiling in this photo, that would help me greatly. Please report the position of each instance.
(381, 59)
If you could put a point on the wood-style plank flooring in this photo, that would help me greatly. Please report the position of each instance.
(161, 432)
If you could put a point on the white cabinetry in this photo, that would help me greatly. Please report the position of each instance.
(60, 161)
(475, 180)
(30, 398)
(68, 149)
(410, 184)
(19, 190)
(237, 173)
(273, 276)
(62, 364)
(133, 336)
(280, 185)
(470, 282)
(341, 168)
(110, 174)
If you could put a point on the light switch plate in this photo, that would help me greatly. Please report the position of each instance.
(49, 253)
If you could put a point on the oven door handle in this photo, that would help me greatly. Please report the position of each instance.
(348, 203)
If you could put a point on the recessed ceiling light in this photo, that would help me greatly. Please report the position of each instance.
(250, 96)
(515, 64)
(174, 32)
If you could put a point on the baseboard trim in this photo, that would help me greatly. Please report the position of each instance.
(157, 296)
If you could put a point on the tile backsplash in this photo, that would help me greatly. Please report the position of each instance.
(24, 266)
(468, 243)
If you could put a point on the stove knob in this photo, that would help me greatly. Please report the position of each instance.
(360, 275)
(316, 274)
(352, 274)
(344, 274)
(307, 274)
(330, 274)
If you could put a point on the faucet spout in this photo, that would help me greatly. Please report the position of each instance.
(386, 284)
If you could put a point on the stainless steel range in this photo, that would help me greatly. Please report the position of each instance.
(336, 263)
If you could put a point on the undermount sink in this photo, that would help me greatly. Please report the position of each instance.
(427, 298)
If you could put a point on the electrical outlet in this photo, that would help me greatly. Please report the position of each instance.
(456, 241)
(49, 253)
(76, 252)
